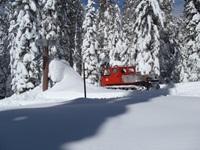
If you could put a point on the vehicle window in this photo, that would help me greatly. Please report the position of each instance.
(123, 70)
(131, 70)
(114, 70)
(106, 72)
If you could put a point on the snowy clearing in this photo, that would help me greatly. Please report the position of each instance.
(61, 119)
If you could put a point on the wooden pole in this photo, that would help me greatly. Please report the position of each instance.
(45, 67)
(84, 80)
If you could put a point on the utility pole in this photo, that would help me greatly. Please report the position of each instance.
(84, 83)
(44, 43)
(45, 67)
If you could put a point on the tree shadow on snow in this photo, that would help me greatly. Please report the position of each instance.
(50, 128)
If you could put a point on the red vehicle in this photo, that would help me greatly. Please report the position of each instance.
(126, 77)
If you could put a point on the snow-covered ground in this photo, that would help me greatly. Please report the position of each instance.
(61, 119)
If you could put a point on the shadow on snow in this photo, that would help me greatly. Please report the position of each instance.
(51, 127)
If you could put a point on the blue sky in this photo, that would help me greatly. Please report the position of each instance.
(179, 4)
(177, 10)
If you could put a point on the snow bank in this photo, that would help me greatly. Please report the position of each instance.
(184, 89)
(56, 69)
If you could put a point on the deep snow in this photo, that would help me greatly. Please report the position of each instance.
(61, 119)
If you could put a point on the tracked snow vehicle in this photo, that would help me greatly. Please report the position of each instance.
(126, 77)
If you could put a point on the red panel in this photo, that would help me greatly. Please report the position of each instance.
(113, 75)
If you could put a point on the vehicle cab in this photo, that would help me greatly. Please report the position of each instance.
(115, 75)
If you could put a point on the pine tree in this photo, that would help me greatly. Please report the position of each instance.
(109, 46)
(170, 45)
(178, 63)
(105, 30)
(191, 52)
(5, 89)
(115, 38)
(77, 57)
(71, 8)
(127, 32)
(63, 41)
(22, 33)
(50, 27)
(89, 48)
(146, 38)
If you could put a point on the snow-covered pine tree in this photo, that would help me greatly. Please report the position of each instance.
(149, 20)
(77, 57)
(105, 31)
(191, 52)
(127, 32)
(170, 45)
(89, 47)
(22, 33)
(123, 54)
(103, 57)
(5, 89)
(178, 64)
(3, 65)
(73, 13)
(197, 3)
(63, 32)
(62, 22)
(51, 26)
(115, 38)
